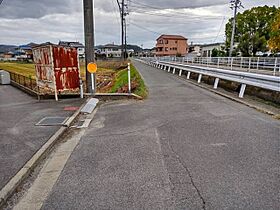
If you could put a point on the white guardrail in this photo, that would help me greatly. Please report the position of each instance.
(260, 65)
(244, 78)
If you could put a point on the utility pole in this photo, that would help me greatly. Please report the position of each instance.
(123, 14)
(235, 4)
(89, 42)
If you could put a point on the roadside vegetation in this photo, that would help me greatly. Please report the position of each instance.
(111, 76)
(137, 84)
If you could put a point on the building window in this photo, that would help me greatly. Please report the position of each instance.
(166, 41)
(160, 41)
(176, 42)
(166, 49)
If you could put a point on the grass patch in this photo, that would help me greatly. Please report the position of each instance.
(137, 84)
(25, 69)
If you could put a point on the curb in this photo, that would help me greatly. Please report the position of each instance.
(275, 116)
(8, 190)
(116, 96)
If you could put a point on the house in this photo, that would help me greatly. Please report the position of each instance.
(206, 50)
(111, 50)
(24, 53)
(80, 47)
(194, 50)
(171, 45)
(9, 55)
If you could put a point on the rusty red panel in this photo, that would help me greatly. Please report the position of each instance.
(57, 64)
(68, 79)
(65, 57)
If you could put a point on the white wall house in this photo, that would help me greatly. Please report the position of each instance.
(111, 51)
(80, 47)
(206, 50)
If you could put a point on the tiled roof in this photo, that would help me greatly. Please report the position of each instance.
(178, 37)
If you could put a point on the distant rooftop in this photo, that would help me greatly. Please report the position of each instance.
(177, 37)
(71, 44)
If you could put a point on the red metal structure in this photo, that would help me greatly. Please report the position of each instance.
(57, 68)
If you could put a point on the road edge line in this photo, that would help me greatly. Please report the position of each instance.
(8, 190)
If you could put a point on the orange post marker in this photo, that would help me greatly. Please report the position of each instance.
(92, 68)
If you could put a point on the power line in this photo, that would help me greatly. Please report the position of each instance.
(169, 15)
(219, 30)
(145, 6)
(146, 29)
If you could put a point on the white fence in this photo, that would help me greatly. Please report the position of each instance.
(261, 65)
(244, 78)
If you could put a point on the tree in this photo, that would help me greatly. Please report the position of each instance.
(252, 29)
(274, 41)
(218, 53)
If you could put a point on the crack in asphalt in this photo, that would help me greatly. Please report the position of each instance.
(189, 174)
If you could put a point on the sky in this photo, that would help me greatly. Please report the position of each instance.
(201, 21)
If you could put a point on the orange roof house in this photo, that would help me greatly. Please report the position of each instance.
(171, 45)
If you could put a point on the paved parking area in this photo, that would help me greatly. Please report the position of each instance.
(19, 137)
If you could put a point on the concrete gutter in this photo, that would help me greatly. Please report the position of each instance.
(8, 190)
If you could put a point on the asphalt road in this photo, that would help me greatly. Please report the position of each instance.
(182, 148)
(19, 137)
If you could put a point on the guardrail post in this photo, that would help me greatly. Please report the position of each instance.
(250, 60)
(241, 62)
(258, 63)
(180, 73)
(242, 91)
(275, 66)
(169, 69)
(231, 63)
(174, 69)
(189, 75)
(218, 62)
(216, 83)
(199, 78)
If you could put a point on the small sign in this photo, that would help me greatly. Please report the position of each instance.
(92, 68)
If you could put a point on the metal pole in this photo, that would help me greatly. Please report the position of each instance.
(129, 79)
(89, 42)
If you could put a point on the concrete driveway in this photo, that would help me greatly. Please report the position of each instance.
(182, 148)
(19, 137)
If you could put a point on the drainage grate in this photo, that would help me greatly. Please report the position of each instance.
(52, 121)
